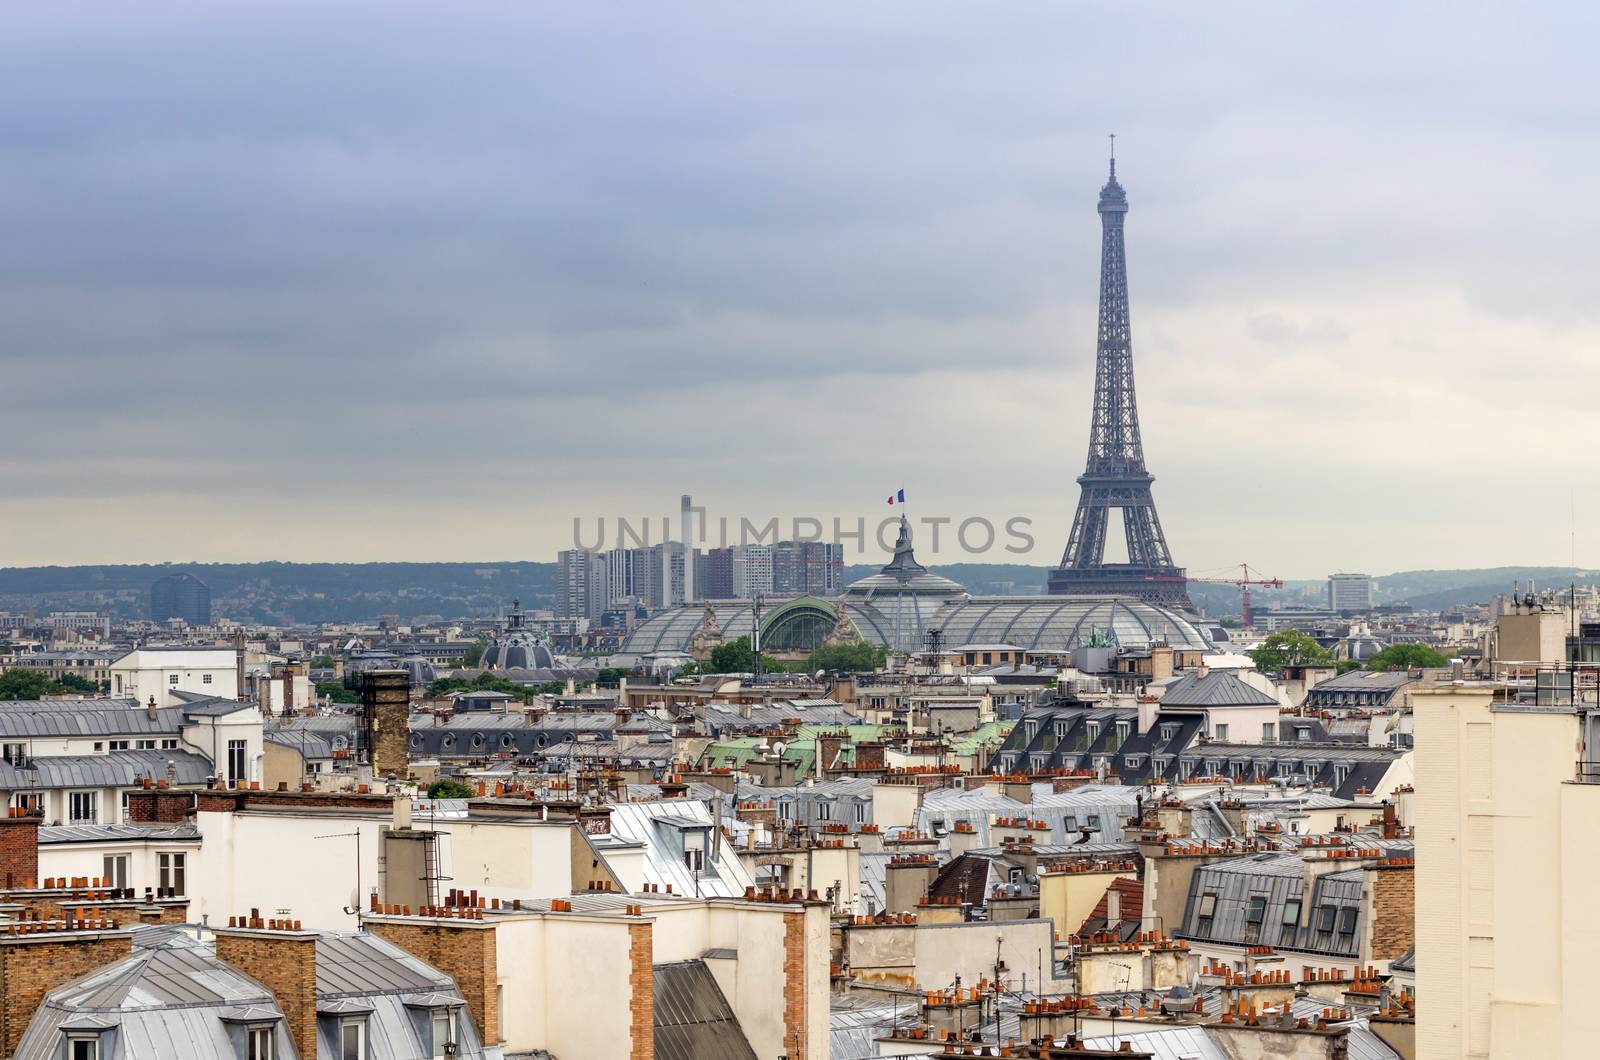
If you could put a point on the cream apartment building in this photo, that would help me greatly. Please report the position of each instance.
(1508, 865)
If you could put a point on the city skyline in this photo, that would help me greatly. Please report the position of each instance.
(546, 266)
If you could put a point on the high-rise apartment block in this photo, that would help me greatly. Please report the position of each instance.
(1350, 592)
(752, 571)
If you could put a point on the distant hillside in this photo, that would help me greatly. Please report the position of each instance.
(292, 592)
(1449, 588)
(284, 593)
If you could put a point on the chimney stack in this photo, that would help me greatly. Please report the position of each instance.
(284, 960)
(461, 948)
(42, 958)
(19, 848)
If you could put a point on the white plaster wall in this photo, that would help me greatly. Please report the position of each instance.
(88, 859)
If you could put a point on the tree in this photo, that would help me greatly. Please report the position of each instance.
(1406, 657)
(474, 654)
(447, 788)
(1346, 665)
(337, 692)
(1289, 647)
(321, 662)
(609, 677)
(74, 683)
(860, 657)
(25, 684)
(488, 682)
(734, 657)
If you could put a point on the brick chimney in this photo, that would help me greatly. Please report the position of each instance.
(39, 956)
(282, 958)
(19, 848)
(159, 805)
(462, 948)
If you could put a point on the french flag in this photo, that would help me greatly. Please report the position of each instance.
(897, 497)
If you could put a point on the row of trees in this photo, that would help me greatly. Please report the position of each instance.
(488, 682)
(31, 684)
(737, 657)
(1290, 647)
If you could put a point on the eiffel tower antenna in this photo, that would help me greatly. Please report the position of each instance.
(1115, 475)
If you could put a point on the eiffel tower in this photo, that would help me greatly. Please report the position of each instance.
(1115, 476)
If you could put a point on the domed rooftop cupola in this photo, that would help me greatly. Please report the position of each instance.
(519, 648)
(903, 574)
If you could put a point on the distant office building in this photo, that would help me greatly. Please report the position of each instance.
(752, 571)
(182, 596)
(621, 573)
(1350, 592)
(583, 584)
(718, 580)
(807, 567)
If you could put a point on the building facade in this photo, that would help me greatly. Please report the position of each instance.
(1350, 592)
(181, 596)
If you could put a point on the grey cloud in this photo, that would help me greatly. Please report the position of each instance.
(648, 247)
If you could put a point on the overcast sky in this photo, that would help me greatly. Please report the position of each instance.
(387, 281)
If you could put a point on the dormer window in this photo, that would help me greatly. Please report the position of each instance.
(258, 1043)
(443, 1028)
(1168, 731)
(83, 1047)
(353, 1039)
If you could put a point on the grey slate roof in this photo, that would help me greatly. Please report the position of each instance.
(1330, 915)
(119, 769)
(1218, 688)
(212, 706)
(693, 1020)
(87, 718)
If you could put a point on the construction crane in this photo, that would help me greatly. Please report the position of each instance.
(1243, 582)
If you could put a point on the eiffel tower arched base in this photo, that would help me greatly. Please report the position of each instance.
(1156, 585)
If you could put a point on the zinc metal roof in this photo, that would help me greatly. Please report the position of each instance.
(108, 833)
(119, 769)
(168, 1000)
(355, 965)
(693, 1020)
(1186, 1042)
(82, 719)
(664, 863)
(1219, 688)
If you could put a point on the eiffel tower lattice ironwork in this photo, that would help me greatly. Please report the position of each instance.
(1115, 476)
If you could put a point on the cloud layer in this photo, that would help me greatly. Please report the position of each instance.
(393, 281)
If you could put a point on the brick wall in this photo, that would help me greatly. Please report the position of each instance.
(19, 851)
(159, 806)
(33, 965)
(465, 952)
(1394, 911)
(286, 964)
(642, 992)
(794, 984)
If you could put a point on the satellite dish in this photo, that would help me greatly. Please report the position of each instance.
(777, 747)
